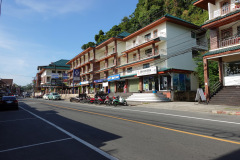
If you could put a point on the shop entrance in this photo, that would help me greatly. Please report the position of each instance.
(165, 82)
(120, 86)
(150, 83)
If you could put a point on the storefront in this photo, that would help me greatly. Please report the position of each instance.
(231, 74)
(114, 80)
(85, 86)
(181, 82)
(99, 84)
(133, 85)
(150, 79)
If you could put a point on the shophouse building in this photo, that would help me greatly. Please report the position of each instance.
(156, 58)
(52, 77)
(224, 28)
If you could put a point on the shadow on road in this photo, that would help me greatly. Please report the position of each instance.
(231, 156)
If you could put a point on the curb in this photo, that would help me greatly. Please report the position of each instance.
(226, 112)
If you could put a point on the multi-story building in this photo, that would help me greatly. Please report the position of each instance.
(52, 77)
(224, 28)
(158, 57)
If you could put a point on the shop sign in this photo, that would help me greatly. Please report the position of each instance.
(99, 80)
(84, 82)
(76, 74)
(147, 71)
(65, 76)
(105, 84)
(114, 77)
(55, 75)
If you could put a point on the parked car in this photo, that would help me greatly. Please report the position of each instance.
(27, 95)
(45, 96)
(54, 96)
(9, 102)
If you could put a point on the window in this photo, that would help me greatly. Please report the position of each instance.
(134, 43)
(193, 34)
(148, 52)
(225, 7)
(155, 33)
(147, 37)
(134, 57)
(48, 79)
(129, 70)
(226, 33)
(238, 31)
(147, 65)
(53, 71)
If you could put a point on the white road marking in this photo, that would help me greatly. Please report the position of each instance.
(173, 115)
(32, 145)
(74, 137)
(17, 120)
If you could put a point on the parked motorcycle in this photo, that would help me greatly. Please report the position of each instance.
(108, 101)
(119, 101)
(100, 100)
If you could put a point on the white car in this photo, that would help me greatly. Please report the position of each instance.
(45, 96)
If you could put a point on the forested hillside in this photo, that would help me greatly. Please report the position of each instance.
(148, 11)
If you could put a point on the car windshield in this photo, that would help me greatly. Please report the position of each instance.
(9, 98)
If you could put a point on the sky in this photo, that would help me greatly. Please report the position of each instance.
(37, 32)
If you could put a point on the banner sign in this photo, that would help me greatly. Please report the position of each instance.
(147, 71)
(76, 74)
(84, 82)
(105, 84)
(99, 80)
(55, 75)
(114, 77)
(65, 76)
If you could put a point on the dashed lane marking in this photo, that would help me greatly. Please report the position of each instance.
(32, 145)
(74, 137)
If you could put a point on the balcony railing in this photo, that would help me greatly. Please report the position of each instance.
(225, 10)
(231, 41)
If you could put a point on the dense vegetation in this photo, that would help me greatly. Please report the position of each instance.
(148, 11)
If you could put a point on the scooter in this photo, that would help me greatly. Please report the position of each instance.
(100, 100)
(108, 101)
(119, 101)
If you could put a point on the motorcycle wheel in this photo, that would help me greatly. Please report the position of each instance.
(115, 104)
(125, 103)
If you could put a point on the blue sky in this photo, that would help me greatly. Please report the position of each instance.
(38, 32)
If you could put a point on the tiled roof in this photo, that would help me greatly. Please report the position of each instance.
(123, 34)
(221, 17)
(222, 50)
(61, 62)
(171, 16)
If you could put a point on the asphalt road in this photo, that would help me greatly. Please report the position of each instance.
(43, 129)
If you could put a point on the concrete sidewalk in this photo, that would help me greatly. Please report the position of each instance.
(190, 107)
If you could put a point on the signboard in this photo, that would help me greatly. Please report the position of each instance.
(53, 82)
(99, 80)
(200, 95)
(84, 82)
(55, 75)
(114, 77)
(105, 84)
(76, 74)
(147, 71)
(65, 76)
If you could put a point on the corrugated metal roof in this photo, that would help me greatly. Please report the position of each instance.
(222, 50)
(62, 62)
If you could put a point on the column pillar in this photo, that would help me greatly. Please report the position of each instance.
(115, 46)
(140, 84)
(220, 69)
(153, 49)
(115, 90)
(106, 63)
(106, 50)
(138, 54)
(206, 79)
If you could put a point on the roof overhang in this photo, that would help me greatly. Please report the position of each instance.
(80, 54)
(110, 40)
(203, 3)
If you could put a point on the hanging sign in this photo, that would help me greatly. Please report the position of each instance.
(147, 71)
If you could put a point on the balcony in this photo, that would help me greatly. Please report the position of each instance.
(143, 59)
(109, 55)
(224, 10)
(102, 69)
(231, 41)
